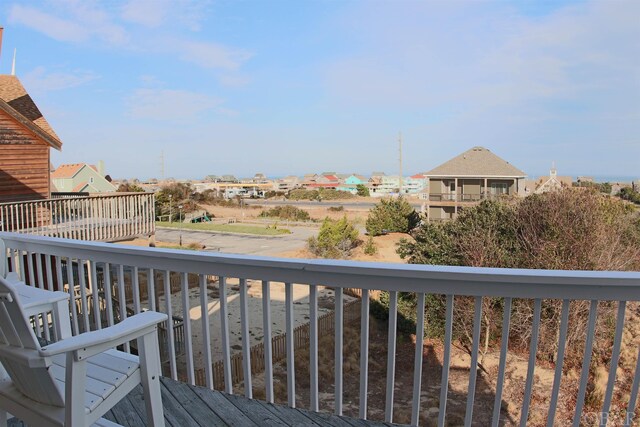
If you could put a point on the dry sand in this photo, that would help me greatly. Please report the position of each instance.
(255, 312)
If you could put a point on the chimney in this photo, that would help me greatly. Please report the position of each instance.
(101, 167)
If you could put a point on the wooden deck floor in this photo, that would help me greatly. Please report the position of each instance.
(186, 405)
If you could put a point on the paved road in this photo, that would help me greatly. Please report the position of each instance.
(238, 243)
(346, 204)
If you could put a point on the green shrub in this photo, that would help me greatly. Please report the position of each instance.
(286, 212)
(126, 187)
(628, 193)
(320, 194)
(370, 247)
(336, 208)
(568, 230)
(336, 239)
(362, 190)
(392, 215)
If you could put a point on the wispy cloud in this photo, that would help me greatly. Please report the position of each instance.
(169, 104)
(137, 25)
(52, 26)
(82, 21)
(495, 58)
(39, 80)
(154, 13)
(208, 54)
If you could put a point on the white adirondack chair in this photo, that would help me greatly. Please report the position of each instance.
(75, 381)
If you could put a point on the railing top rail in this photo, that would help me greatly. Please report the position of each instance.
(75, 198)
(475, 281)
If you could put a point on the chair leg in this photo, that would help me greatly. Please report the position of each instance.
(150, 373)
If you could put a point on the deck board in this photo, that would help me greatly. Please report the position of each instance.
(186, 405)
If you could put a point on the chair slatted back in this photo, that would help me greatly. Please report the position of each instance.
(16, 334)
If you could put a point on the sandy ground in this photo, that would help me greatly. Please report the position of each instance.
(318, 213)
(386, 250)
(386, 246)
(255, 311)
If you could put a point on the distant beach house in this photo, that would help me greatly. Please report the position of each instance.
(82, 178)
(467, 179)
(328, 181)
(25, 141)
(545, 184)
(351, 182)
(287, 183)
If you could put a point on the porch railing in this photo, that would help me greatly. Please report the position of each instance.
(452, 197)
(105, 217)
(39, 262)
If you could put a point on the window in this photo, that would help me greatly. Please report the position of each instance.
(499, 188)
(91, 180)
(452, 186)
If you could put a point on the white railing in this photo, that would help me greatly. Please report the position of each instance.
(108, 270)
(105, 217)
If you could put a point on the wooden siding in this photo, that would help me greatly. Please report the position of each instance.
(24, 163)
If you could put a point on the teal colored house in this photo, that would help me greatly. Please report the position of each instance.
(351, 183)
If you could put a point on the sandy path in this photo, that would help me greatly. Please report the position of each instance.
(254, 303)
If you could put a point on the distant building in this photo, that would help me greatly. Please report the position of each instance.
(82, 178)
(287, 183)
(228, 178)
(259, 178)
(350, 183)
(585, 179)
(328, 181)
(545, 184)
(469, 178)
(25, 141)
(415, 184)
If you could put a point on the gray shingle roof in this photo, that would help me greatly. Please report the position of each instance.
(477, 162)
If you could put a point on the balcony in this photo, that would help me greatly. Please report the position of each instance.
(231, 312)
(462, 198)
(101, 217)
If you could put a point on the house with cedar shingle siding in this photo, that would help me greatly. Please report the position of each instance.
(467, 179)
(25, 141)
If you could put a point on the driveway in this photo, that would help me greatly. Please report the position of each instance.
(240, 243)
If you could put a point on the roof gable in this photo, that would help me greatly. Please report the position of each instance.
(15, 100)
(67, 171)
(477, 162)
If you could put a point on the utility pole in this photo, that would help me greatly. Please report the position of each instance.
(162, 165)
(400, 160)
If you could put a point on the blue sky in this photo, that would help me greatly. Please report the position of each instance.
(289, 87)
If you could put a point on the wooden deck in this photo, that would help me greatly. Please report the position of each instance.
(186, 405)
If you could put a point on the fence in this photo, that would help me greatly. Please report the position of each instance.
(301, 337)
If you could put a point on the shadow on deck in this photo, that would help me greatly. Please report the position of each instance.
(186, 405)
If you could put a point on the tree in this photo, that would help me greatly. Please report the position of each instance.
(171, 196)
(362, 190)
(568, 229)
(126, 187)
(392, 215)
(629, 194)
(336, 239)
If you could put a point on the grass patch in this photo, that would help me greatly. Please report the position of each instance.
(229, 228)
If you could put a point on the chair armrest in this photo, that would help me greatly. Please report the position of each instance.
(91, 343)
